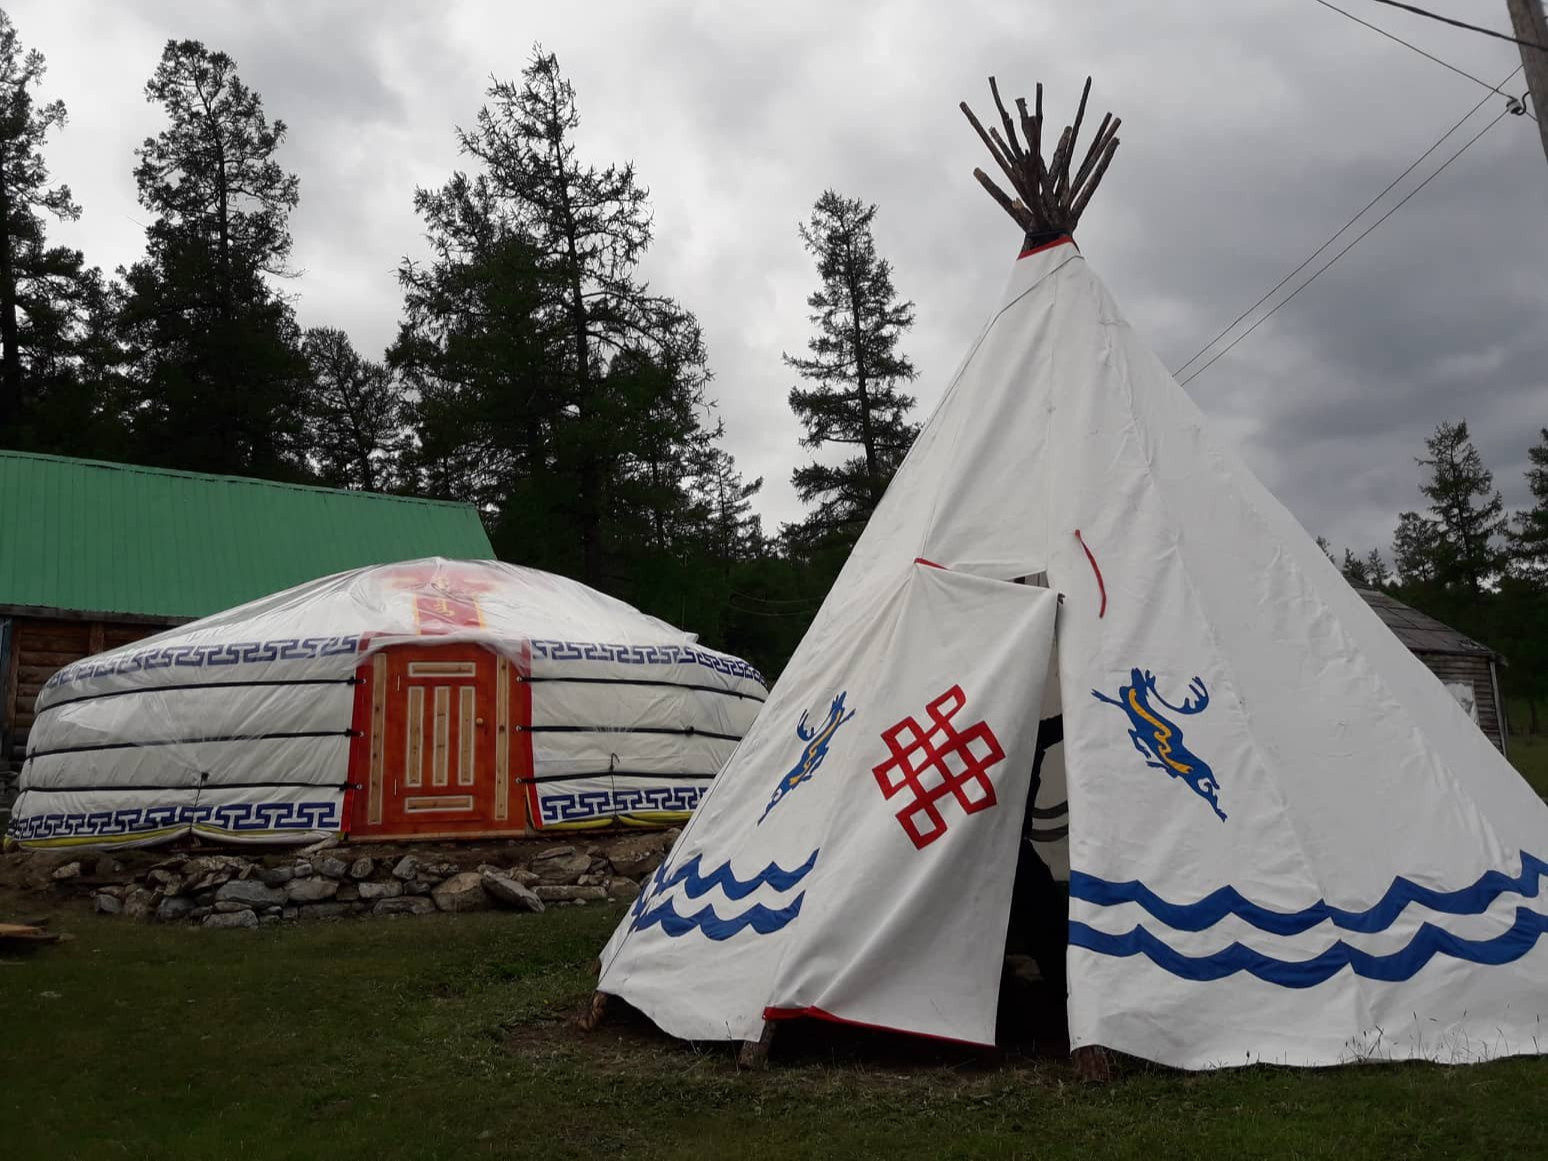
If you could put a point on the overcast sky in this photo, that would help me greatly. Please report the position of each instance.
(1252, 131)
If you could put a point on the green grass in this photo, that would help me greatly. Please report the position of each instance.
(440, 1037)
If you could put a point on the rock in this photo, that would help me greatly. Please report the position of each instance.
(416, 888)
(107, 904)
(326, 910)
(321, 845)
(375, 891)
(555, 893)
(561, 869)
(507, 891)
(106, 867)
(174, 907)
(231, 919)
(553, 853)
(348, 892)
(267, 919)
(276, 876)
(435, 872)
(170, 883)
(361, 868)
(274, 911)
(637, 855)
(461, 892)
(117, 890)
(288, 913)
(523, 876)
(302, 869)
(231, 906)
(313, 890)
(406, 906)
(199, 913)
(229, 865)
(137, 904)
(249, 893)
(407, 867)
(590, 880)
(68, 871)
(622, 889)
(577, 902)
(332, 868)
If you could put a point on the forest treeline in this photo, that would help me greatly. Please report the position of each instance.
(534, 374)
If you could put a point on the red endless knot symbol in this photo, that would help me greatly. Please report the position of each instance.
(932, 763)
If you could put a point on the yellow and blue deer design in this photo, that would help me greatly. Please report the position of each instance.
(1159, 740)
(817, 740)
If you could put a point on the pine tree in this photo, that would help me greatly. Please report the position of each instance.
(216, 349)
(532, 332)
(1528, 540)
(37, 282)
(355, 418)
(855, 368)
(1455, 545)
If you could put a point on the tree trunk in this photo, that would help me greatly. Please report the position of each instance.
(867, 435)
(10, 355)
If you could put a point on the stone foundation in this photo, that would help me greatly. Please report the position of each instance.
(333, 881)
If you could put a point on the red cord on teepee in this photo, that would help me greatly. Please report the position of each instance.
(1101, 585)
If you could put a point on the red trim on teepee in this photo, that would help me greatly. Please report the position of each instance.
(930, 564)
(1101, 584)
(820, 1014)
(1063, 240)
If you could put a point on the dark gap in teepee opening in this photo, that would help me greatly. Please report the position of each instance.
(1033, 985)
(1049, 200)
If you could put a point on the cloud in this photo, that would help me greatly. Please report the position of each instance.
(1250, 133)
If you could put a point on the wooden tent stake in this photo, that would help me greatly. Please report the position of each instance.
(595, 1013)
(755, 1053)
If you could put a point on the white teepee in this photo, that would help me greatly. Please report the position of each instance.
(1287, 842)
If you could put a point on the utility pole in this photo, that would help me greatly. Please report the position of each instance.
(1526, 17)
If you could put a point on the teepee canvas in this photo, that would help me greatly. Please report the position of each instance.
(1286, 842)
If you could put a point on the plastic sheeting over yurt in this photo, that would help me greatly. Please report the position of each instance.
(433, 698)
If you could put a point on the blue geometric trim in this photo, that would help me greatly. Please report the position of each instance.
(207, 656)
(1215, 906)
(232, 816)
(586, 805)
(758, 917)
(1427, 943)
(645, 655)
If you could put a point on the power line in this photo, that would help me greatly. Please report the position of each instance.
(1463, 24)
(1423, 53)
(1404, 201)
(1312, 257)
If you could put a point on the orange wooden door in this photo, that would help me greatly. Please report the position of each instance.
(439, 752)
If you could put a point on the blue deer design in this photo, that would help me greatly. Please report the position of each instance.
(812, 756)
(1159, 740)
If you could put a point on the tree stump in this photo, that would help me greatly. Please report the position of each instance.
(754, 1054)
(594, 1014)
(1092, 1064)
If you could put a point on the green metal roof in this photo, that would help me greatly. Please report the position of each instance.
(116, 538)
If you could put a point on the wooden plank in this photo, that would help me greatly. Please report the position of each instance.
(95, 637)
(50, 613)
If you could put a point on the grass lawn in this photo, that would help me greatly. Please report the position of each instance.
(441, 1037)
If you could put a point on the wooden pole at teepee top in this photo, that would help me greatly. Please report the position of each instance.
(1047, 201)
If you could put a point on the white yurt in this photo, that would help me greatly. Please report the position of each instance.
(429, 699)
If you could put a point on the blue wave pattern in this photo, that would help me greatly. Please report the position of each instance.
(1215, 906)
(1428, 942)
(696, 883)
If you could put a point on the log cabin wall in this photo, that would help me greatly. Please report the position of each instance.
(38, 646)
(1478, 671)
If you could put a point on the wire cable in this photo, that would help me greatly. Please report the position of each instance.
(1429, 55)
(1310, 258)
(1463, 24)
(1322, 269)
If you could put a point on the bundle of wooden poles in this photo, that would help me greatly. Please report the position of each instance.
(1048, 200)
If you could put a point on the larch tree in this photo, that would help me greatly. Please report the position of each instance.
(356, 417)
(216, 349)
(855, 369)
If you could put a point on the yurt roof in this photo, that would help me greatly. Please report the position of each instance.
(118, 538)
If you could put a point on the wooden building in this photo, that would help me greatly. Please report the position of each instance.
(1463, 665)
(96, 555)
